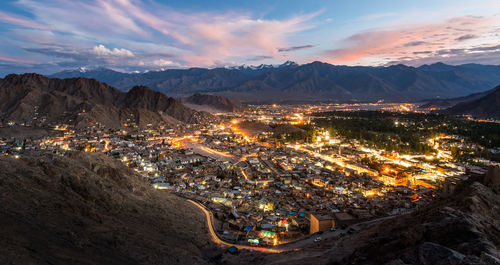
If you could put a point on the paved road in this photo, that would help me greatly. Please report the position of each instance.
(309, 240)
(292, 246)
(207, 151)
(218, 241)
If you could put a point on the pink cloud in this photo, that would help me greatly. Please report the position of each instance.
(13, 60)
(196, 38)
(211, 37)
(409, 42)
(232, 36)
(145, 17)
(21, 21)
(120, 17)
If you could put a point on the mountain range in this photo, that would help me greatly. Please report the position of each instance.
(33, 98)
(314, 81)
(487, 106)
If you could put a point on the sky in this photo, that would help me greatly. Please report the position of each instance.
(47, 36)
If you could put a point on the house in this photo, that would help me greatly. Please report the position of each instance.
(343, 219)
(321, 222)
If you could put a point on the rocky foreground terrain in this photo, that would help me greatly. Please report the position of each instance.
(90, 209)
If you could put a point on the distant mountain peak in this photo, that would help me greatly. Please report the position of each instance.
(288, 64)
(312, 81)
(87, 70)
(82, 69)
(24, 78)
(317, 63)
(142, 91)
(265, 66)
(252, 67)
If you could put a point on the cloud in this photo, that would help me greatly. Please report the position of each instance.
(486, 54)
(14, 67)
(101, 50)
(413, 42)
(422, 52)
(485, 48)
(21, 21)
(164, 63)
(14, 60)
(100, 55)
(137, 35)
(466, 37)
(196, 38)
(260, 58)
(295, 48)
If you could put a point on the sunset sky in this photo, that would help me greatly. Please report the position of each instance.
(126, 35)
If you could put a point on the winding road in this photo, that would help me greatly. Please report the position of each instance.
(291, 246)
(218, 241)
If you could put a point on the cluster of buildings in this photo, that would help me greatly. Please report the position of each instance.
(261, 193)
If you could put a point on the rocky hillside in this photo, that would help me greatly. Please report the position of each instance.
(81, 101)
(314, 81)
(487, 106)
(218, 103)
(90, 209)
(460, 229)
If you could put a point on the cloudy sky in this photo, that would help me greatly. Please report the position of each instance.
(47, 36)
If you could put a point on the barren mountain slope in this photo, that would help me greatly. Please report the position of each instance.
(90, 209)
(33, 98)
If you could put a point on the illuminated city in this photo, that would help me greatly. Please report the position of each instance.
(265, 173)
(258, 132)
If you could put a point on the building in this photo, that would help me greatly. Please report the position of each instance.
(343, 219)
(492, 177)
(321, 222)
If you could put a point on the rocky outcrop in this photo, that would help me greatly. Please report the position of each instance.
(492, 178)
(90, 209)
